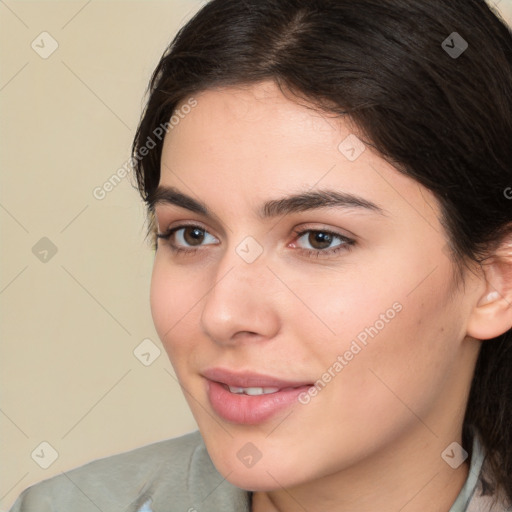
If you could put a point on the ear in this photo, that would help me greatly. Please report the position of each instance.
(492, 314)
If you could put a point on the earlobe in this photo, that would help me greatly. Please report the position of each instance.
(492, 314)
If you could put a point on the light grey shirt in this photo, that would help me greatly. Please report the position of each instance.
(177, 475)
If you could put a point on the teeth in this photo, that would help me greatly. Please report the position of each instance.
(236, 390)
(252, 391)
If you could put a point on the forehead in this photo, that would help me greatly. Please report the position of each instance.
(253, 114)
(242, 142)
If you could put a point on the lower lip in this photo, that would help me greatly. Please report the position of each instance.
(250, 410)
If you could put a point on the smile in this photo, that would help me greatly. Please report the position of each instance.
(250, 398)
(251, 391)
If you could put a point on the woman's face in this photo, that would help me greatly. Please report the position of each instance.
(352, 290)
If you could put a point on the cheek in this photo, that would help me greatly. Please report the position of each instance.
(172, 300)
(161, 300)
(391, 337)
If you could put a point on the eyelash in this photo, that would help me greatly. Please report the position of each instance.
(311, 253)
(346, 244)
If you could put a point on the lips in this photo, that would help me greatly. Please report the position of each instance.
(250, 398)
(250, 379)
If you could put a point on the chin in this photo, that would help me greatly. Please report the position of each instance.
(267, 474)
(249, 480)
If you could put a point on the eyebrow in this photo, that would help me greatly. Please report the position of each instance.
(300, 202)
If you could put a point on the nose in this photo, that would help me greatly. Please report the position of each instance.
(241, 304)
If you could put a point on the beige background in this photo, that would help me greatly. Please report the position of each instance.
(70, 323)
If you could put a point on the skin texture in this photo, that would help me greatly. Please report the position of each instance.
(375, 433)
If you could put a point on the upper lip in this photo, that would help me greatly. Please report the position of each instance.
(249, 379)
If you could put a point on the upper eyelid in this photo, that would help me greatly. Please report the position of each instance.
(196, 224)
(169, 210)
(182, 224)
(300, 232)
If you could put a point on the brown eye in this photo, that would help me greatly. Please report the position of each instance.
(193, 235)
(321, 242)
(181, 237)
(320, 239)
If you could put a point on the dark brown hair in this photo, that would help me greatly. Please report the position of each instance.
(440, 116)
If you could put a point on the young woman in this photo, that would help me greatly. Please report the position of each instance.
(329, 186)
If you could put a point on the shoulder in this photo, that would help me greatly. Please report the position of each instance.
(487, 497)
(172, 472)
(482, 492)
